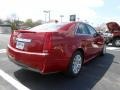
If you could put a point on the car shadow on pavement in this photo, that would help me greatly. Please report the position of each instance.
(90, 74)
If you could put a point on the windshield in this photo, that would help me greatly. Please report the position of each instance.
(49, 27)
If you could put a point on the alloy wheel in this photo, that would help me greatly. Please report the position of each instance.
(117, 42)
(77, 62)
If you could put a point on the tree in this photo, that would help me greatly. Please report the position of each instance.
(38, 22)
(13, 20)
(29, 23)
(13, 24)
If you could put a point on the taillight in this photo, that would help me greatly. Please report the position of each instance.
(47, 43)
(13, 37)
(15, 33)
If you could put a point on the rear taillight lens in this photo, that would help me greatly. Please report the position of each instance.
(13, 37)
(15, 33)
(47, 43)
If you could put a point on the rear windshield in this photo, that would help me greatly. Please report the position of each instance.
(49, 27)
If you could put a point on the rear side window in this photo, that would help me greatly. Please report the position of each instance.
(49, 27)
(82, 29)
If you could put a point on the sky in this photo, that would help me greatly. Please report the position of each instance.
(94, 11)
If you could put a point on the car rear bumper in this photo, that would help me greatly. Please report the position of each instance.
(21, 64)
(29, 60)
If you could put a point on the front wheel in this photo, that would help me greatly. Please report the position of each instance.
(75, 64)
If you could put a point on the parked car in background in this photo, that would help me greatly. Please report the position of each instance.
(108, 36)
(112, 33)
(114, 29)
(56, 47)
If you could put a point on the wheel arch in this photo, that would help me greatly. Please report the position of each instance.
(82, 51)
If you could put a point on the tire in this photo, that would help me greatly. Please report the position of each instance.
(75, 64)
(107, 43)
(103, 50)
(116, 42)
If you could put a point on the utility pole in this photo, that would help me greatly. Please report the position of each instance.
(49, 15)
(47, 11)
(61, 17)
(45, 17)
(78, 19)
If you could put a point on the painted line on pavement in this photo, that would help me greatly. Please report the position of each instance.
(2, 50)
(12, 81)
(113, 48)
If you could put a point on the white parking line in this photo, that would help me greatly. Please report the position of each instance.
(12, 81)
(113, 48)
(2, 50)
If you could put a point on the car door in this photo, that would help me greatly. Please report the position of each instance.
(97, 41)
(85, 40)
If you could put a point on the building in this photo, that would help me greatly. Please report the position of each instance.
(5, 29)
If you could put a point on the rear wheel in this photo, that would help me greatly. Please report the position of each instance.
(75, 64)
(116, 42)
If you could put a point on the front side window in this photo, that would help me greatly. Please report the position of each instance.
(92, 30)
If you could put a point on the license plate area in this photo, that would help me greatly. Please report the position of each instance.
(20, 45)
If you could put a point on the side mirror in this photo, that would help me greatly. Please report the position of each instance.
(100, 33)
(96, 34)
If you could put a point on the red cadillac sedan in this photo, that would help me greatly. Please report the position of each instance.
(56, 47)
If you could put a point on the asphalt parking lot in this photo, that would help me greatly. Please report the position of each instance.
(102, 73)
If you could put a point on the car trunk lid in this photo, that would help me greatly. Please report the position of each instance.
(28, 40)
